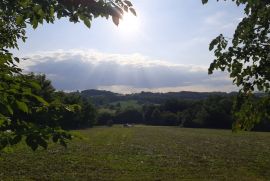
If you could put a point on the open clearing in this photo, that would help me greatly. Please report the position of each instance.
(145, 153)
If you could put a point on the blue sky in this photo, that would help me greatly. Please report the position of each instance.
(168, 51)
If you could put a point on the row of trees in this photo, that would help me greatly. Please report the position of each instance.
(213, 112)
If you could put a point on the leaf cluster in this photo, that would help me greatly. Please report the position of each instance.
(25, 99)
(246, 57)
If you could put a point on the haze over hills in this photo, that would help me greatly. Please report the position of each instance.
(100, 97)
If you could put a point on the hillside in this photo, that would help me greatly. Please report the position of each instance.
(100, 97)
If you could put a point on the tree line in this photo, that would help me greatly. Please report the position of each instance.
(213, 112)
(61, 111)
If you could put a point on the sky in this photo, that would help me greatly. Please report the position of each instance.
(163, 49)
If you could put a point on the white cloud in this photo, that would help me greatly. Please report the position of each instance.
(96, 58)
(126, 73)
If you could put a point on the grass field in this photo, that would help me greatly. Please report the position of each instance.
(145, 153)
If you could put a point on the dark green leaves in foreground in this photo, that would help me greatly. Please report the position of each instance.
(22, 98)
(246, 56)
(36, 12)
(20, 103)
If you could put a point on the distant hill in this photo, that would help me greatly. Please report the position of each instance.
(101, 97)
(94, 93)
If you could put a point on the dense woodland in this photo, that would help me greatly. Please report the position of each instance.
(78, 110)
(185, 109)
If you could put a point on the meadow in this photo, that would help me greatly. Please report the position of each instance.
(145, 153)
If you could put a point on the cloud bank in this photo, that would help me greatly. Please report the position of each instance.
(125, 73)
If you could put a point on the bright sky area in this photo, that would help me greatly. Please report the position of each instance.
(164, 48)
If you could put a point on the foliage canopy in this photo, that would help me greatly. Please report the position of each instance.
(246, 57)
(21, 96)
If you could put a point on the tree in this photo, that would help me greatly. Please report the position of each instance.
(246, 57)
(104, 117)
(169, 119)
(46, 88)
(174, 105)
(89, 114)
(129, 115)
(18, 97)
(156, 117)
(18, 109)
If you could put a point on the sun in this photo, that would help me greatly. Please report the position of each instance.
(129, 24)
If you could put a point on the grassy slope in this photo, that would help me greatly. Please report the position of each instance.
(123, 106)
(146, 153)
(128, 104)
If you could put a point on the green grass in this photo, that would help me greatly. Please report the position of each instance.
(128, 104)
(145, 153)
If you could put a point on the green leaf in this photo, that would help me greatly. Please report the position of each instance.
(128, 3)
(35, 85)
(204, 1)
(17, 59)
(87, 22)
(19, 20)
(40, 13)
(10, 110)
(115, 20)
(37, 7)
(132, 10)
(52, 12)
(126, 8)
(41, 100)
(34, 22)
(22, 106)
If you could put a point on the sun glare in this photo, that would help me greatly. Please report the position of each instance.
(129, 24)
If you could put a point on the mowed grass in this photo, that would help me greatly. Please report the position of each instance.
(145, 153)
